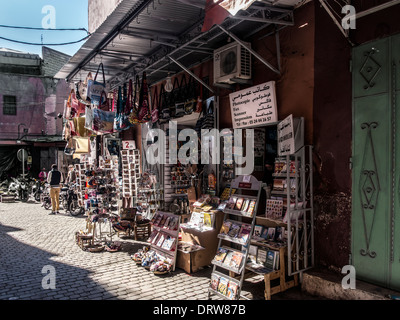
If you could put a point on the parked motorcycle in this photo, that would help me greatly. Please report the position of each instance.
(37, 189)
(45, 198)
(71, 202)
(13, 187)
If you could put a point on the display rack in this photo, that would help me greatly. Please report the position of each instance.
(235, 233)
(165, 235)
(130, 161)
(292, 203)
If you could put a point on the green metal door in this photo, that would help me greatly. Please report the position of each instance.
(376, 151)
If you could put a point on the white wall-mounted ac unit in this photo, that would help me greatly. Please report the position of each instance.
(232, 61)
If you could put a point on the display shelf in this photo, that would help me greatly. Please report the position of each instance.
(226, 262)
(297, 210)
(224, 289)
(165, 228)
(229, 231)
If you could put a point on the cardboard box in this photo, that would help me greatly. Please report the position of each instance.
(190, 262)
(194, 261)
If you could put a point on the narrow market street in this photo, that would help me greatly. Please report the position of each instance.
(32, 239)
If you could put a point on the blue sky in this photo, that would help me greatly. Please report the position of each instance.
(69, 14)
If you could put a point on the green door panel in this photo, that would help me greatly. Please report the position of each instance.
(370, 69)
(376, 162)
(371, 187)
(394, 281)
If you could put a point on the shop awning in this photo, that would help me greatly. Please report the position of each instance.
(161, 36)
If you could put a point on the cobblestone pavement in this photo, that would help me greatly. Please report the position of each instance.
(32, 239)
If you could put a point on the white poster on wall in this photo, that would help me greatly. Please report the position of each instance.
(285, 130)
(254, 106)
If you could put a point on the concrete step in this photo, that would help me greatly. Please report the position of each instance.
(328, 284)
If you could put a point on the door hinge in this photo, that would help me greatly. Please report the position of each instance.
(351, 163)
(351, 65)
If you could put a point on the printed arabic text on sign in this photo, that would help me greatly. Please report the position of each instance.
(286, 136)
(254, 106)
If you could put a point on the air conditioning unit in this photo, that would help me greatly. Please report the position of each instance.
(232, 61)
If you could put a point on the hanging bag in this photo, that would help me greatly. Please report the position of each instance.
(71, 106)
(96, 89)
(118, 110)
(181, 97)
(173, 97)
(103, 121)
(155, 106)
(104, 104)
(144, 106)
(133, 116)
(82, 89)
(163, 104)
(126, 108)
(191, 101)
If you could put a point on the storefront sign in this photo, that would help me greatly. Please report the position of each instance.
(286, 136)
(128, 144)
(254, 106)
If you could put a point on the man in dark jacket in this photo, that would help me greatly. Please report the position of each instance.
(55, 178)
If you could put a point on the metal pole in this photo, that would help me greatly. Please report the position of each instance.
(191, 73)
(23, 163)
(250, 50)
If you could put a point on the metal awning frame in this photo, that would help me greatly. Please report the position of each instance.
(192, 42)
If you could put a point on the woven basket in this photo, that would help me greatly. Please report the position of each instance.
(94, 248)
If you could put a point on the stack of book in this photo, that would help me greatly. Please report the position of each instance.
(224, 286)
(162, 240)
(235, 230)
(244, 206)
(229, 259)
(271, 235)
(262, 260)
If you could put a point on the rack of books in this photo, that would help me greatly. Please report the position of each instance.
(291, 203)
(165, 234)
(234, 238)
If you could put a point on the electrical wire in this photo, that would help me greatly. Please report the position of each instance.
(45, 29)
(45, 44)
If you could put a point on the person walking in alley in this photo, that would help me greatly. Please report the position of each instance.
(55, 178)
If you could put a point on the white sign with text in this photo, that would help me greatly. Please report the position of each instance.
(286, 136)
(254, 106)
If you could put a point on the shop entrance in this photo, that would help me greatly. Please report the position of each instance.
(376, 156)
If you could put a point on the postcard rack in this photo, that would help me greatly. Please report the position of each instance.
(164, 237)
(232, 252)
